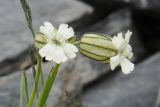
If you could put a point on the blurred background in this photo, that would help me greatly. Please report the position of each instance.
(83, 82)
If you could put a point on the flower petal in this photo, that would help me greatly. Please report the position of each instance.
(127, 36)
(126, 40)
(47, 51)
(69, 50)
(127, 66)
(65, 32)
(118, 40)
(115, 61)
(59, 55)
(48, 29)
(128, 51)
(53, 52)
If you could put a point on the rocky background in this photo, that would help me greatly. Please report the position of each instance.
(83, 82)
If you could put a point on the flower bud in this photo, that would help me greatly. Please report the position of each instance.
(40, 40)
(98, 47)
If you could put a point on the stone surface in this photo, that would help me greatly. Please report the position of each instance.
(138, 89)
(14, 34)
(9, 87)
(72, 77)
(139, 4)
(146, 4)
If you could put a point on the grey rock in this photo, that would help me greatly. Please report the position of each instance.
(104, 3)
(146, 4)
(138, 89)
(73, 75)
(138, 4)
(10, 87)
(14, 34)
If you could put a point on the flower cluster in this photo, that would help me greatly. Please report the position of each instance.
(54, 45)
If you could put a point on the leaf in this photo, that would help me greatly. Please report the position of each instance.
(22, 91)
(34, 89)
(26, 86)
(47, 86)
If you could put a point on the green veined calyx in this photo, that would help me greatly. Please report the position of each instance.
(97, 46)
(40, 40)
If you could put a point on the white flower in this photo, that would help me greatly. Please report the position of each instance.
(124, 53)
(57, 48)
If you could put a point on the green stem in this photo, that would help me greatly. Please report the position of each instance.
(42, 81)
(47, 86)
(34, 90)
(34, 77)
(26, 86)
(21, 91)
(42, 78)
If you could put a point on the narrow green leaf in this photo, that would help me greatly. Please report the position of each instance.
(34, 90)
(21, 91)
(42, 81)
(33, 57)
(26, 86)
(34, 77)
(47, 86)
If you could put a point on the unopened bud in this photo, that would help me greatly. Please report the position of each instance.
(40, 40)
(98, 47)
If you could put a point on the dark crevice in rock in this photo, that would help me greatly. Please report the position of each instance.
(19, 62)
(100, 12)
(148, 26)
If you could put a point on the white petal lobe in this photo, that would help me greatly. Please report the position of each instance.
(48, 29)
(127, 36)
(65, 32)
(70, 50)
(127, 66)
(59, 55)
(47, 51)
(115, 61)
(118, 40)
